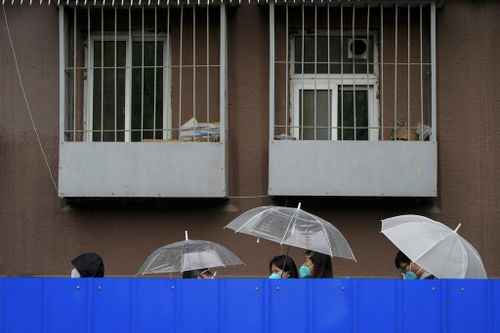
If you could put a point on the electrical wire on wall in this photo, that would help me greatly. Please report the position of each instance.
(26, 99)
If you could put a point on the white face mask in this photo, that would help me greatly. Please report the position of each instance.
(75, 273)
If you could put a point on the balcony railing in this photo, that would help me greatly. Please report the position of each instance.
(143, 102)
(353, 99)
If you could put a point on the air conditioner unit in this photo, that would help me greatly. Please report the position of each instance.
(357, 48)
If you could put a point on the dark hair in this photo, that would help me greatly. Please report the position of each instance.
(89, 264)
(322, 264)
(401, 258)
(286, 264)
(195, 273)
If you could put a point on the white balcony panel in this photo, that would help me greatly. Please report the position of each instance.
(353, 168)
(150, 169)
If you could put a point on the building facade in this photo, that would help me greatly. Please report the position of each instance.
(130, 122)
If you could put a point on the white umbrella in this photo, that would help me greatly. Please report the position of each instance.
(188, 255)
(294, 227)
(437, 248)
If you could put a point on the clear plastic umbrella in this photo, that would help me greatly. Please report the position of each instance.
(294, 227)
(188, 255)
(434, 246)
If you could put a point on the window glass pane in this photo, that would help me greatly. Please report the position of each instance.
(69, 114)
(106, 117)
(143, 100)
(136, 104)
(308, 112)
(349, 113)
(109, 53)
(136, 54)
(354, 51)
(97, 54)
(120, 105)
(159, 104)
(96, 116)
(149, 59)
(108, 103)
(121, 51)
(109, 110)
(149, 55)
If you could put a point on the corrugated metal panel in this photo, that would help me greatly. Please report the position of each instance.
(360, 3)
(212, 2)
(248, 305)
(120, 3)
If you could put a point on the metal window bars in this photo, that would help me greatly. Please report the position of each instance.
(124, 63)
(375, 64)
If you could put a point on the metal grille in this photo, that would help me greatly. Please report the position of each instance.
(142, 73)
(352, 72)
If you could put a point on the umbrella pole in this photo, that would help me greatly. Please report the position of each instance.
(286, 257)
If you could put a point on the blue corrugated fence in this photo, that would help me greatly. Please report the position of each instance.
(53, 305)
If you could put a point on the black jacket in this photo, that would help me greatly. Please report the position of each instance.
(89, 264)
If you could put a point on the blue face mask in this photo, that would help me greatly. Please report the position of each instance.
(275, 276)
(304, 271)
(409, 275)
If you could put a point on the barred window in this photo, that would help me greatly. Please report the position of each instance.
(141, 74)
(352, 72)
(143, 99)
(349, 83)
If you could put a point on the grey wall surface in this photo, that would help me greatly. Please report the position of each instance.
(40, 233)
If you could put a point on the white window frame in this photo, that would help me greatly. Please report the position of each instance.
(299, 84)
(334, 82)
(88, 93)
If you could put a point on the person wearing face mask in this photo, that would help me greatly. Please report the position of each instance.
(282, 267)
(409, 269)
(316, 265)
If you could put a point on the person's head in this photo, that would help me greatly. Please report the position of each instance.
(202, 273)
(282, 267)
(408, 268)
(316, 265)
(88, 264)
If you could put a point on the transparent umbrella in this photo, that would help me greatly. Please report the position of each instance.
(188, 255)
(294, 227)
(434, 246)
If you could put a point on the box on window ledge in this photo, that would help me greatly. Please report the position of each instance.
(403, 133)
(192, 130)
